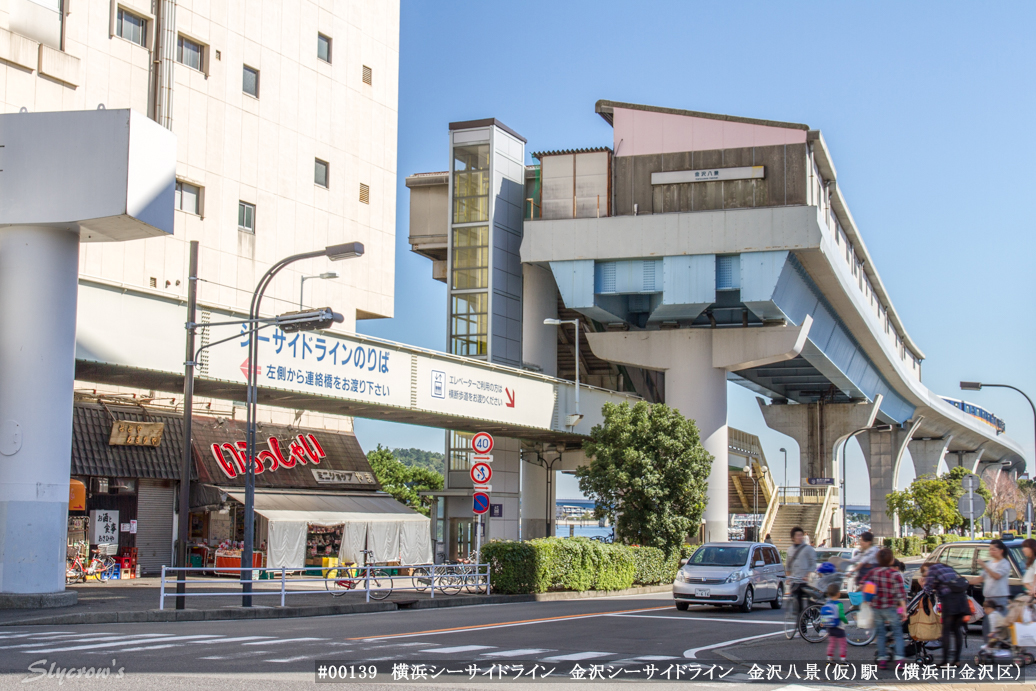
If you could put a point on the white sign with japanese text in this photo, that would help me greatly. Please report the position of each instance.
(484, 394)
(104, 527)
(320, 364)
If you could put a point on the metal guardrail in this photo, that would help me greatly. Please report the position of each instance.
(803, 495)
(422, 577)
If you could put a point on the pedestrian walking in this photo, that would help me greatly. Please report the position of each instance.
(995, 573)
(768, 540)
(1029, 579)
(889, 606)
(952, 590)
(832, 615)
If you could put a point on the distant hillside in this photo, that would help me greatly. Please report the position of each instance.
(431, 460)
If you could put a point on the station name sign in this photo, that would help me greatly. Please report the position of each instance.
(678, 177)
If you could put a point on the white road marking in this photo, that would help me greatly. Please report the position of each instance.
(154, 638)
(654, 658)
(236, 640)
(82, 640)
(290, 659)
(575, 656)
(146, 647)
(519, 653)
(692, 653)
(724, 621)
(284, 640)
(458, 649)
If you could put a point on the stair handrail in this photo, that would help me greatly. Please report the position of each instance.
(824, 520)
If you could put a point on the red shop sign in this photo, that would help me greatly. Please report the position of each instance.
(232, 457)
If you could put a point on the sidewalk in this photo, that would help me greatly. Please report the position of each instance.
(136, 600)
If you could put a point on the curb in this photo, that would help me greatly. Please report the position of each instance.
(238, 613)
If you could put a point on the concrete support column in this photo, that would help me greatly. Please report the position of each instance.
(39, 272)
(883, 451)
(539, 302)
(927, 453)
(694, 387)
(534, 499)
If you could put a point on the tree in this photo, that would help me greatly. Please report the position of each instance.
(925, 504)
(1028, 491)
(430, 460)
(648, 474)
(1003, 494)
(954, 479)
(404, 482)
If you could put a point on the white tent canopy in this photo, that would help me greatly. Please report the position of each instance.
(369, 521)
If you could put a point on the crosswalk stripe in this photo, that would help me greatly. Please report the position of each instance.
(150, 638)
(238, 639)
(458, 649)
(84, 640)
(519, 653)
(152, 647)
(290, 659)
(576, 656)
(26, 635)
(284, 640)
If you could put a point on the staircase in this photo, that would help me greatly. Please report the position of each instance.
(806, 516)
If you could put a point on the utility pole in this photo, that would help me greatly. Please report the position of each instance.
(183, 525)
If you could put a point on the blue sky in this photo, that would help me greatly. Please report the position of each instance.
(927, 109)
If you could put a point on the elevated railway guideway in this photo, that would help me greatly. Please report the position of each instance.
(729, 254)
(134, 338)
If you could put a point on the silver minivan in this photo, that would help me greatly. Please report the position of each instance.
(734, 574)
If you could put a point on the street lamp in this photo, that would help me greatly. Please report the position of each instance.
(785, 452)
(571, 420)
(977, 386)
(302, 283)
(334, 253)
(845, 498)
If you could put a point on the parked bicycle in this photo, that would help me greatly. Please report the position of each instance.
(452, 577)
(341, 579)
(100, 568)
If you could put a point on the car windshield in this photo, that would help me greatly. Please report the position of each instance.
(714, 555)
(1018, 557)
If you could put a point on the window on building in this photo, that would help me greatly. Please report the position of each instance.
(250, 81)
(320, 175)
(246, 217)
(460, 450)
(471, 183)
(470, 258)
(324, 47)
(131, 27)
(188, 198)
(469, 324)
(190, 53)
(365, 193)
(367, 75)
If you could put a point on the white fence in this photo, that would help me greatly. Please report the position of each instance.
(377, 582)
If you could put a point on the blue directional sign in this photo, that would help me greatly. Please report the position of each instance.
(479, 503)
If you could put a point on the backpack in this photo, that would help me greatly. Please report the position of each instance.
(958, 585)
(954, 597)
(829, 617)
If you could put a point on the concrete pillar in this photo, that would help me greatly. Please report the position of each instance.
(819, 429)
(539, 302)
(693, 386)
(534, 499)
(883, 452)
(927, 453)
(39, 272)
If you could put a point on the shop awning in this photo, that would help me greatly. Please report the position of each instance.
(374, 521)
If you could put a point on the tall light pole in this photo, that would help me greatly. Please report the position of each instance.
(334, 253)
(571, 420)
(879, 428)
(302, 283)
(977, 386)
(785, 452)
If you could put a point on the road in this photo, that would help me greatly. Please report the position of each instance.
(225, 654)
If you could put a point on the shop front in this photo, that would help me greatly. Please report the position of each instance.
(316, 501)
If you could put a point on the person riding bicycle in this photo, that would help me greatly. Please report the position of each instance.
(802, 561)
(866, 559)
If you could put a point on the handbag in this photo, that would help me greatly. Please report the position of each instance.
(924, 622)
(865, 619)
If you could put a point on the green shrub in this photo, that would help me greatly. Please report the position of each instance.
(651, 565)
(512, 565)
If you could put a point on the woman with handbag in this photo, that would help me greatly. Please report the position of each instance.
(995, 573)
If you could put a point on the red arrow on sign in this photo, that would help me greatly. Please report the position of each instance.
(510, 398)
(244, 369)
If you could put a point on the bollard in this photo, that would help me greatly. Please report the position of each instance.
(283, 570)
(161, 596)
(433, 580)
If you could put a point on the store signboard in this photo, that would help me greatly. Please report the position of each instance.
(341, 477)
(104, 527)
(483, 394)
(129, 433)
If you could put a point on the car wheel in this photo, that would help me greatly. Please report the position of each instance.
(746, 606)
(682, 606)
(778, 601)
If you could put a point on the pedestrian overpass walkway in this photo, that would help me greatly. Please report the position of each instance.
(135, 338)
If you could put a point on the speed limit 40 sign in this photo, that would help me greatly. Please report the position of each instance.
(482, 443)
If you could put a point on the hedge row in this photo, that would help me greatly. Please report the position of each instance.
(579, 564)
(915, 545)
